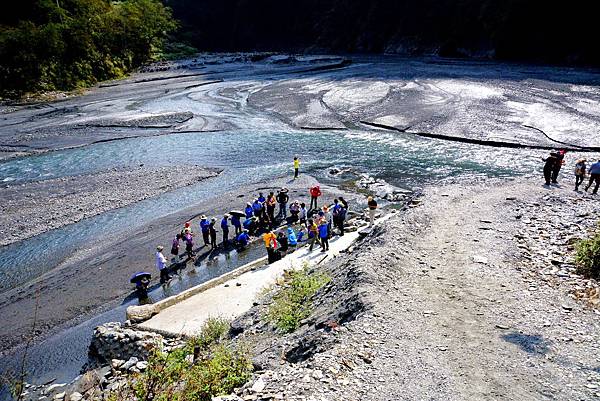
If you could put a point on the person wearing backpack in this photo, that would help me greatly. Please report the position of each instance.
(282, 199)
(580, 168)
(324, 235)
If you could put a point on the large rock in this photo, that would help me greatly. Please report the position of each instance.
(140, 313)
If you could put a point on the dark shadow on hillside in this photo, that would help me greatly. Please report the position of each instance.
(531, 343)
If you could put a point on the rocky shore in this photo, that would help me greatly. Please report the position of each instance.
(33, 208)
(470, 293)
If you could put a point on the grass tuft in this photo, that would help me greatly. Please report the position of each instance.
(293, 302)
(588, 257)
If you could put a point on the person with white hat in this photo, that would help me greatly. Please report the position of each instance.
(161, 265)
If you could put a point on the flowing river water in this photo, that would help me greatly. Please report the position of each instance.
(259, 142)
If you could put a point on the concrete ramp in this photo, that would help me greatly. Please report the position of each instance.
(235, 296)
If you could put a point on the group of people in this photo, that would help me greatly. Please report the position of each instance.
(554, 163)
(316, 226)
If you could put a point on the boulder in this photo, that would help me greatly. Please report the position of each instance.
(140, 313)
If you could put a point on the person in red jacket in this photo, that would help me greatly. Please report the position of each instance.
(315, 192)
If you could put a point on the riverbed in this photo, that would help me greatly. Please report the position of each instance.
(249, 119)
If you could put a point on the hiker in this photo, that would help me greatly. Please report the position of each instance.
(313, 234)
(339, 216)
(204, 223)
(580, 168)
(315, 192)
(257, 207)
(324, 236)
(372, 204)
(301, 233)
(344, 203)
(249, 211)
(187, 228)
(549, 166)
(161, 265)
(261, 198)
(291, 236)
(236, 223)
(243, 239)
(556, 169)
(265, 222)
(328, 217)
(271, 245)
(251, 225)
(175, 247)
(296, 167)
(213, 233)
(303, 213)
(189, 245)
(294, 211)
(283, 242)
(271, 203)
(594, 176)
(282, 199)
(225, 229)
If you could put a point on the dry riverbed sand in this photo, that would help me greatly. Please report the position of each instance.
(33, 208)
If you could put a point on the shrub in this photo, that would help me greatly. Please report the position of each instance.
(218, 368)
(588, 257)
(293, 303)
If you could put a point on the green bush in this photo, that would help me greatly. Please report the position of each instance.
(293, 302)
(588, 257)
(219, 367)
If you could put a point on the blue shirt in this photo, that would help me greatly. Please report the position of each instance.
(235, 220)
(204, 225)
(323, 231)
(249, 212)
(224, 224)
(243, 239)
(595, 168)
(292, 236)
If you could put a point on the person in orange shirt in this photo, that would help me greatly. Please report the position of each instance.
(271, 245)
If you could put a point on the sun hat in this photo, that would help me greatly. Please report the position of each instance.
(203, 217)
(159, 248)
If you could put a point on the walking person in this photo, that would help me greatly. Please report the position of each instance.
(175, 247)
(559, 162)
(580, 168)
(161, 265)
(315, 192)
(204, 223)
(339, 216)
(189, 245)
(372, 204)
(594, 177)
(296, 167)
(328, 217)
(324, 236)
(550, 161)
(225, 229)
(212, 233)
(282, 199)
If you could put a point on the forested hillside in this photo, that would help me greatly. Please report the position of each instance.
(528, 30)
(65, 44)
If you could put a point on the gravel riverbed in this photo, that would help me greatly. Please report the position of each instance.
(33, 208)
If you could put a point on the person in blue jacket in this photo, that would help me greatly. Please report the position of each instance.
(291, 235)
(261, 198)
(257, 208)
(251, 225)
(204, 225)
(243, 239)
(324, 235)
(235, 221)
(225, 228)
(249, 210)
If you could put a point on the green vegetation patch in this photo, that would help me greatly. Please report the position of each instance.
(293, 302)
(69, 44)
(588, 257)
(208, 365)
